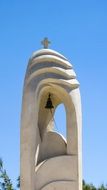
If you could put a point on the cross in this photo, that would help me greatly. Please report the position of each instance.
(45, 43)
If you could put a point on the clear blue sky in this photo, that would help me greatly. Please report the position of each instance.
(78, 30)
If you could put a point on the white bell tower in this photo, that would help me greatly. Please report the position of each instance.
(48, 162)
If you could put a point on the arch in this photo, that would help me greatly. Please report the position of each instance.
(52, 143)
(59, 94)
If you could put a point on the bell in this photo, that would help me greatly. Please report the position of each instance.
(49, 103)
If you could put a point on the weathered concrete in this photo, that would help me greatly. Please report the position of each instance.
(48, 162)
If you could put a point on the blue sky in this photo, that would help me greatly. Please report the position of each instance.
(78, 30)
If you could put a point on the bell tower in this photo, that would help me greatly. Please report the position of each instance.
(48, 161)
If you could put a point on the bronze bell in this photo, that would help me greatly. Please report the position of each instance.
(49, 104)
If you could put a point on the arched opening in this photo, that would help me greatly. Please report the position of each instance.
(55, 123)
(53, 142)
(60, 120)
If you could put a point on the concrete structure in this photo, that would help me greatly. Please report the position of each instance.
(48, 162)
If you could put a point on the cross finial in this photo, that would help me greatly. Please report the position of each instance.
(45, 43)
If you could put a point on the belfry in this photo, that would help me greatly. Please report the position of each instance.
(48, 161)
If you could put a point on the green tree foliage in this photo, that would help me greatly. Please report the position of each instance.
(5, 182)
(18, 182)
(102, 187)
(87, 186)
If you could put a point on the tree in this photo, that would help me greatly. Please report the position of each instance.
(102, 187)
(88, 186)
(5, 182)
(18, 182)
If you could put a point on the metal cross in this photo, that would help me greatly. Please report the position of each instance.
(45, 43)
